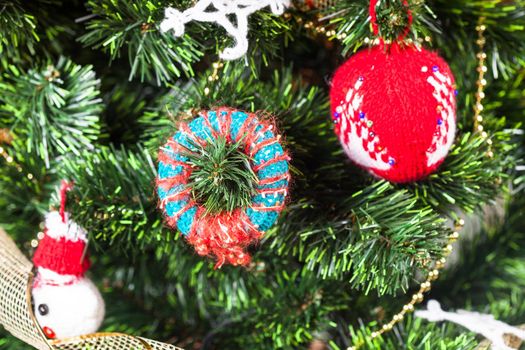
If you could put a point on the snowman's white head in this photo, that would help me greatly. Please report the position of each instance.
(66, 303)
(67, 310)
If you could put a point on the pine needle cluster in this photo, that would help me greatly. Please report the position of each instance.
(222, 177)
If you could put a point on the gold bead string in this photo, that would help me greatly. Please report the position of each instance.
(316, 27)
(6, 138)
(481, 83)
(319, 29)
(433, 272)
(214, 76)
(6, 155)
(320, 25)
(424, 287)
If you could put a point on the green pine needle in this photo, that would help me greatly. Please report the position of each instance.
(222, 179)
(17, 32)
(56, 107)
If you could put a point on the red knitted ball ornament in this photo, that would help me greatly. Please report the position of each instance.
(395, 111)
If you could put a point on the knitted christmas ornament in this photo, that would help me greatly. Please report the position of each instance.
(67, 304)
(227, 234)
(394, 109)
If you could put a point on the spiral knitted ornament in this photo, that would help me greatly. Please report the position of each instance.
(227, 234)
(394, 110)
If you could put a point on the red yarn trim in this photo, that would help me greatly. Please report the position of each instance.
(253, 137)
(266, 191)
(263, 144)
(62, 256)
(272, 180)
(163, 157)
(278, 207)
(169, 182)
(226, 126)
(204, 114)
(172, 220)
(178, 196)
(247, 128)
(65, 186)
(224, 236)
(271, 161)
(177, 147)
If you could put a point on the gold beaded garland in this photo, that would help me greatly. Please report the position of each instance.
(6, 138)
(481, 83)
(418, 296)
(433, 272)
(214, 76)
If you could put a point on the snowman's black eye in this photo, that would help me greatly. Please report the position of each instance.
(43, 309)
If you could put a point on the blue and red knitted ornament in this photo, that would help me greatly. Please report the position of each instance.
(227, 234)
(394, 108)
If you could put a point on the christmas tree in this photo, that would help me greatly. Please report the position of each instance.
(90, 91)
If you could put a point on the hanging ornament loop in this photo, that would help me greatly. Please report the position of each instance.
(65, 187)
(375, 26)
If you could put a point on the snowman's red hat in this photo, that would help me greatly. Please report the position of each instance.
(63, 247)
(62, 250)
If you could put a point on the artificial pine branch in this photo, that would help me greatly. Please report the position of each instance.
(343, 233)
(152, 55)
(24, 190)
(17, 32)
(161, 57)
(469, 179)
(222, 178)
(113, 194)
(56, 107)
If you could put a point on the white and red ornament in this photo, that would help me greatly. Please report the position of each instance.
(394, 109)
(66, 303)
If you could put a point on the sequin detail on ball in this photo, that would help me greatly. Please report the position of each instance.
(444, 94)
(355, 134)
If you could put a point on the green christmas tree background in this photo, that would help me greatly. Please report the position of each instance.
(90, 90)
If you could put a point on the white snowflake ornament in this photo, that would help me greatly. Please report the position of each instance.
(221, 12)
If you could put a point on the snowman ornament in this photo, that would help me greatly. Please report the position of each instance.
(66, 303)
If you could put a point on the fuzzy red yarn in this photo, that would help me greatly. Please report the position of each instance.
(224, 236)
(62, 256)
(394, 111)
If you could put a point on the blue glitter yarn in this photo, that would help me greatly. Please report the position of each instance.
(238, 119)
(186, 220)
(168, 170)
